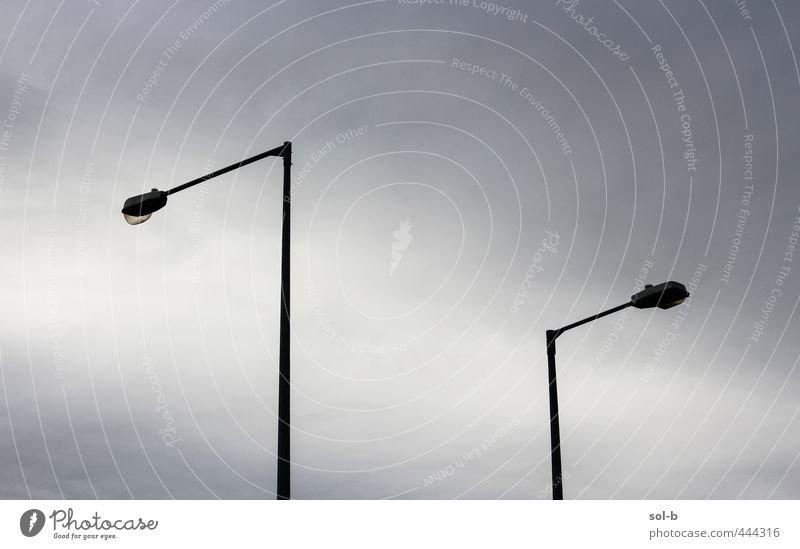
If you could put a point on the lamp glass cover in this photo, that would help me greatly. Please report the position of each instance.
(136, 219)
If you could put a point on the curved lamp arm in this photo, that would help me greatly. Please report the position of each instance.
(665, 295)
(553, 334)
(284, 149)
(138, 209)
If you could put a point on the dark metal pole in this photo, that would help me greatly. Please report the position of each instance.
(284, 484)
(555, 434)
(284, 460)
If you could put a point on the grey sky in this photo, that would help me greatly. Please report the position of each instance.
(141, 361)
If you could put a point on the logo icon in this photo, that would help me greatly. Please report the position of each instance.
(31, 522)
(402, 240)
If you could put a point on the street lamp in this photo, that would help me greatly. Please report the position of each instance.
(138, 209)
(663, 296)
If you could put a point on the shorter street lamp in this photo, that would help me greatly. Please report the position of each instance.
(138, 209)
(663, 296)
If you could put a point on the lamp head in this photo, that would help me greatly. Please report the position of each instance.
(138, 209)
(664, 295)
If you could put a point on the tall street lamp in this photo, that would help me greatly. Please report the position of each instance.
(663, 296)
(138, 209)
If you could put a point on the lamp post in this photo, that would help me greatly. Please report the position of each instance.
(138, 209)
(663, 296)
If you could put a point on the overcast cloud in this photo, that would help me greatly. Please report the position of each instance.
(466, 176)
